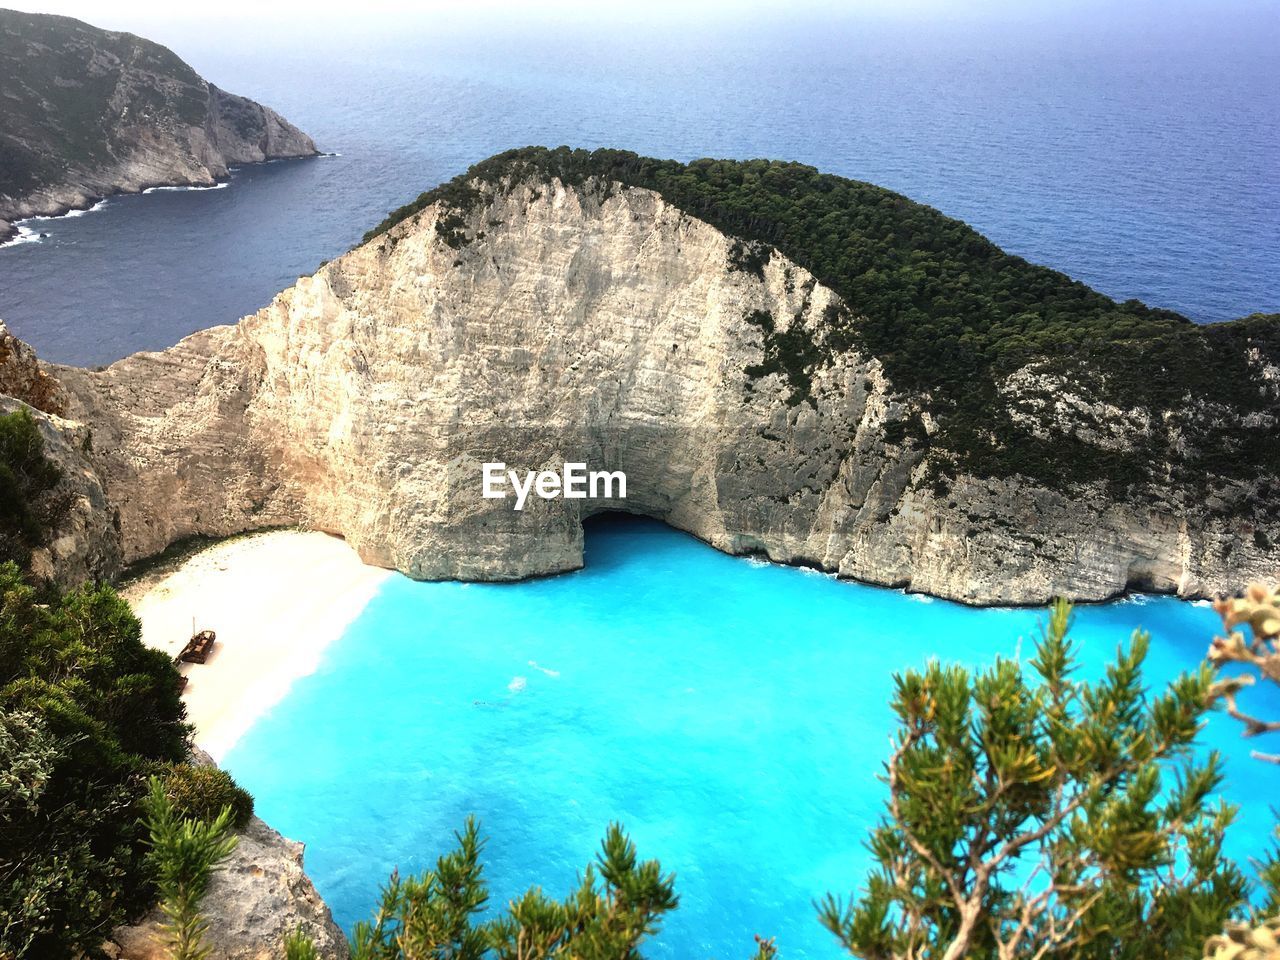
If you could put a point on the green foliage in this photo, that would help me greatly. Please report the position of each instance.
(750, 258)
(201, 792)
(298, 946)
(947, 312)
(28, 511)
(619, 903)
(48, 871)
(85, 707)
(184, 853)
(1268, 867)
(1035, 817)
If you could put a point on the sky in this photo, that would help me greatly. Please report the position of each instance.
(120, 12)
(293, 25)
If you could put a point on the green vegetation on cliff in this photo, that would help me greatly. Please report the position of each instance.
(87, 713)
(951, 317)
(29, 506)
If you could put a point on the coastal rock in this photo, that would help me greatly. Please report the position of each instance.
(85, 546)
(598, 323)
(91, 112)
(22, 379)
(259, 896)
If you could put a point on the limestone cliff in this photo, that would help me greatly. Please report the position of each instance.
(545, 322)
(85, 113)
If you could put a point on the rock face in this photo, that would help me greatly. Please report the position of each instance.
(602, 325)
(86, 545)
(259, 896)
(88, 113)
(22, 379)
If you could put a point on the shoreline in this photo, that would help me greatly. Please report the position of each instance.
(276, 601)
(11, 226)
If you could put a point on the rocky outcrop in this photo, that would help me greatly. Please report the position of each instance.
(257, 898)
(21, 377)
(91, 112)
(85, 545)
(600, 324)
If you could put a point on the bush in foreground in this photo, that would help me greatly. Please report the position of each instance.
(27, 477)
(184, 853)
(1037, 818)
(201, 792)
(619, 903)
(85, 709)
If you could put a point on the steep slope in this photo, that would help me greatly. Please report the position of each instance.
(533, 319)
(85, 113)
(85, 544)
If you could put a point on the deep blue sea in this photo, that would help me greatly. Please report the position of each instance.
(732, 714)
(1135, 146)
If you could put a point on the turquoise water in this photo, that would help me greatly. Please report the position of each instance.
(732, 714)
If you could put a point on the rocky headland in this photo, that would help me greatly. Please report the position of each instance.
(88, 113)
(553, 306)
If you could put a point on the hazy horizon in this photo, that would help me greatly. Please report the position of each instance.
(1189, 18)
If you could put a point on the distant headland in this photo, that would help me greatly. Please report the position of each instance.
(90, 113)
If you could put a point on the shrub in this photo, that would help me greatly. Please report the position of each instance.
(27, 477)
(85, 709)
(620, 902)
(1045, 816)
(184, 854)
(199, 792)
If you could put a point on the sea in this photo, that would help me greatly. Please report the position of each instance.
(1134, 146)
(732, 715)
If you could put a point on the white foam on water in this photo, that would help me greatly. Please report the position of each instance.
(186, 189)
(549, 672)
(517, 684)
(815, 572)
(920, 597)
(77, 213)
(27, 234)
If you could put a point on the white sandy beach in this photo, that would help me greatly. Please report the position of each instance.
(276, 601)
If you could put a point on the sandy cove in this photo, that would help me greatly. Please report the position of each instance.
(276, 601)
